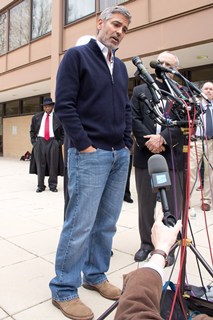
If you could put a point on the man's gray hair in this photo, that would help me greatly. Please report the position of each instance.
(108, 12)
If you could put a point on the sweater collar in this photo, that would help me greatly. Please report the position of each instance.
(95, 42)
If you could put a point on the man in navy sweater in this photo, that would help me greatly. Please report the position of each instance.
(92, 104)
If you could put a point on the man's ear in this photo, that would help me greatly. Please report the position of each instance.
(100, 24)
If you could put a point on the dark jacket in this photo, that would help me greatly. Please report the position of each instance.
(59, 136)
(143, 124)
(92, 105)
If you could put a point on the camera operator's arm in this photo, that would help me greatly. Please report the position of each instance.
(143, 287)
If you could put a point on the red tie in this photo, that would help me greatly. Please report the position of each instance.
(46, 128)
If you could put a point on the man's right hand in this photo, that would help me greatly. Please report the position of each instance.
(89, 149)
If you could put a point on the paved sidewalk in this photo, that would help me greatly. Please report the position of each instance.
(30, 225)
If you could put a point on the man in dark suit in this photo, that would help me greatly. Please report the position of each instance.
(47, 137)
(151, 139)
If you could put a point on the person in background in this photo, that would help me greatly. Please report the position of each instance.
(93, 106)
(141, 296)
(202, 176)
(202, 149)
(47, 138)
(127, 194)
(151, 138)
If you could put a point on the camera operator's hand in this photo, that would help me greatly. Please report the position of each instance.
(164, 237)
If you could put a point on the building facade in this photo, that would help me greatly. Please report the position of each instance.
(35, 34)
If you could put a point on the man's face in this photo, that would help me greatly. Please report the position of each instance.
(168, 60)
(208, 90)
(48, 108)
(112, 31)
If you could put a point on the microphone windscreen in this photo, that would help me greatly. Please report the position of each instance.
(136, 60)
(157, 164)
(153, 64)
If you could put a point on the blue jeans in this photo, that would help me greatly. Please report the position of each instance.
(96, 187)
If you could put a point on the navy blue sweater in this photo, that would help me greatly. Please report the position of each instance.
(92, 105)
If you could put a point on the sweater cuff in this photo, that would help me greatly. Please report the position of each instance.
(155, 267)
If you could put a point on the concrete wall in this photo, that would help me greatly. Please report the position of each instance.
(25, 65)
(16, 136)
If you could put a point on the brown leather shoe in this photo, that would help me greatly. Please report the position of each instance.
(205, 207)
(74, 309)
(106, 289)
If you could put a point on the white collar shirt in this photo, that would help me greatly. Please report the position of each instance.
(41, 130)
(105, 51)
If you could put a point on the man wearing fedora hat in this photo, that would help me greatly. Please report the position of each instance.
(47, 137)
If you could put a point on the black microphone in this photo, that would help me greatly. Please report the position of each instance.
(139, 64)
(198, 91)
(160, 181)
(173, 86)
(159, 67)
(160, 71)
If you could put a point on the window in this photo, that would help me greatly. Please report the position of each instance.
(31, 105)
(1, 109)
(12, 108)
(41, 17)
(19, 31)
(110, 3)
(3, 33)
(23, 106)
(78, 9)
(202, 75)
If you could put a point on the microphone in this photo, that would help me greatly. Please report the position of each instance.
(160, 181)
(139, 64)
(172, 85)
(155, 91)
(159, 67)
(198, 91)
